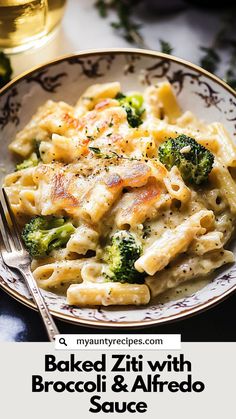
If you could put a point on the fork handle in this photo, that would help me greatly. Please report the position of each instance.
(48, 321)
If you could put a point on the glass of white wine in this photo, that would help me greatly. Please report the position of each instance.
(27, 24)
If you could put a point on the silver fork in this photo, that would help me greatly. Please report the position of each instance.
(15, 256)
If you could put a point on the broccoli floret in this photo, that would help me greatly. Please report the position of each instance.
(193, 160)
(133, 107)
(121, 255)
(43, 234)
(32, 161)
(5, 69)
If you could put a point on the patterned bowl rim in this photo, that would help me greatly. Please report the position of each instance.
(212, 302)
(131, 324)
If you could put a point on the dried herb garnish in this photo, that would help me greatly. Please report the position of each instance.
(210, 60)
(165, 47)
(124, 23)
(230, 74)
(102, 6)
(95, 150)
(111, 155)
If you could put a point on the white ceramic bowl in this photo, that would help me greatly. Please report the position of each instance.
(65, 79)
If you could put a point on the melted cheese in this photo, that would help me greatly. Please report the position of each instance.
(105, 176)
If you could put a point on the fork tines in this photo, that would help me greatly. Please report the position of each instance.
(9, 230)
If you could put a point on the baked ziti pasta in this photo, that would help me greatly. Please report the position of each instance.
(122, 196)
